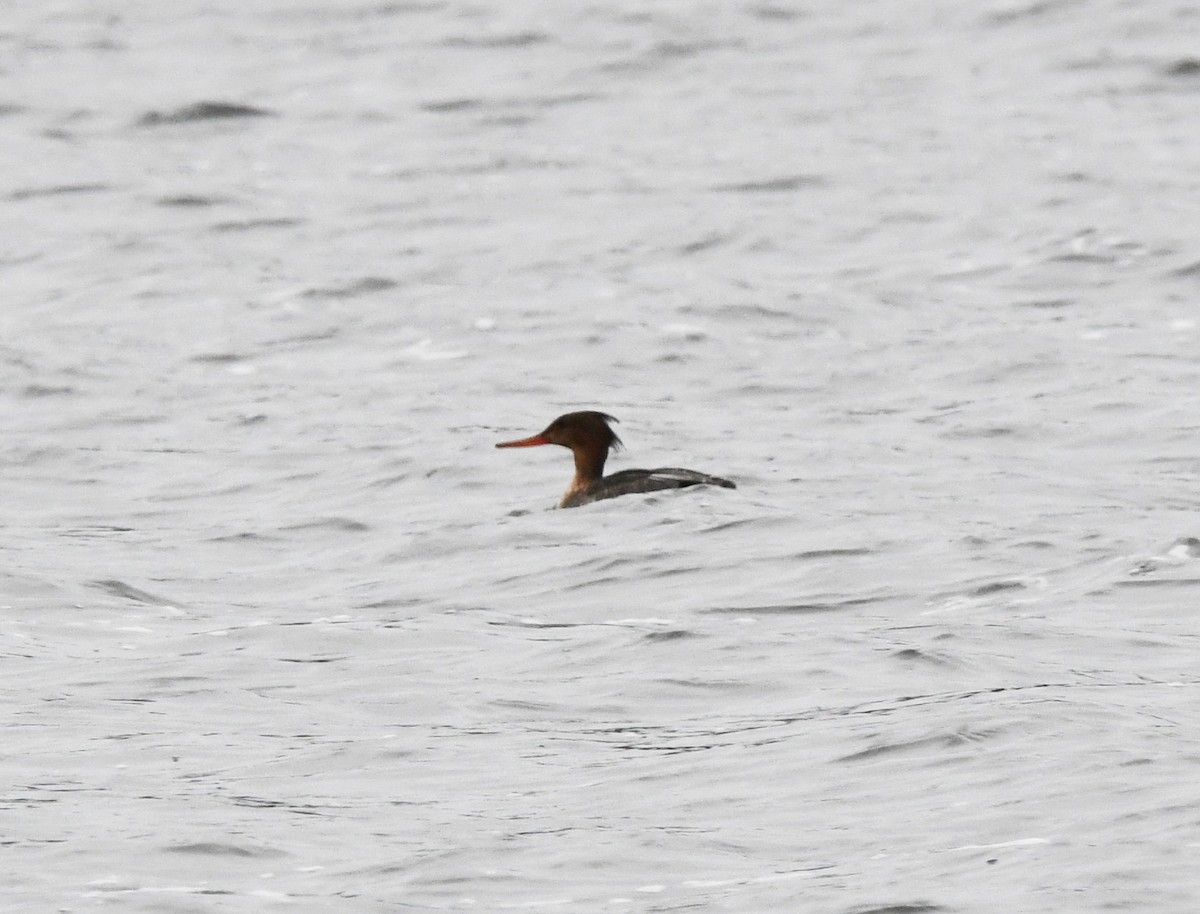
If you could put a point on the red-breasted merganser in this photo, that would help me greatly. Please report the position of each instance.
(589, 437)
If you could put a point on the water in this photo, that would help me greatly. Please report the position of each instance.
(283, 631)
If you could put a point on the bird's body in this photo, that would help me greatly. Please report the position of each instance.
(589, 437)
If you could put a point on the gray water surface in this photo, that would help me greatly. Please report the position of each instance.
(281, 629)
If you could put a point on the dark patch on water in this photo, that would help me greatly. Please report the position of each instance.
(989, 431)
(611, 563)
(832, 553)
(676, 49)
(1046, 303)
(672, 635)
(712, 240)
(1192, 269)
(41, 390)
(317, 336)
(555, 101)
(219, 358)
(881, 411)
(393, 9)
(220, 849)
(1156, 582)
(202, 111)
(508, 120)
(1039, 8)
(916, 907)
(1185, 67)
(773, 185)
(722, 684)
(165, 682)
(392, 603)
(243, 538)
(513, 40)
(593, 582)
(996, 587)
(93, 530)
(522, 705)
(343, 524)
(781, 609)
(365, 286)
(509, 108)
(946, 741)
(257, 802)
(453, 105)
(740, 311)
(245, 225)
(190, 201)
(732, 525)
(387, 482)
(913, 655)
(128, 592)
(1082, 257)
(57, 190)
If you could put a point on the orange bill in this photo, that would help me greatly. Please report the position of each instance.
(525, 442)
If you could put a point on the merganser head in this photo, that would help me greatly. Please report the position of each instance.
(589, 437)
(587, 430)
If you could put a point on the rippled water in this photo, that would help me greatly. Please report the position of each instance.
(283, 631)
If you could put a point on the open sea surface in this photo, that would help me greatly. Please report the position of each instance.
(280, 630)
